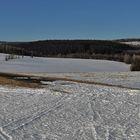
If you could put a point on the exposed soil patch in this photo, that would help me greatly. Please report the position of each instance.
(12, 82)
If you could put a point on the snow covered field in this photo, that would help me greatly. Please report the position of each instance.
(69, 111)
(66, 110)
(134, 43)
(36, 64)
(125, 79)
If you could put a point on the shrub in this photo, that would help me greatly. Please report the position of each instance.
(135, 66)
(10, 56)
(127, 59)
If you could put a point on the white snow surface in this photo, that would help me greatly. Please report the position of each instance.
(135, 43)
(69, 111)
(37, 64)
(124, 79)
(66, 110)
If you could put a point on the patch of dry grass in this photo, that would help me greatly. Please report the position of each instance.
(11, 82)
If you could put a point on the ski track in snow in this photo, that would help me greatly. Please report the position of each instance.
(4, 136)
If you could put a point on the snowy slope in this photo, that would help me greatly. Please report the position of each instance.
(36, 64)
(125, 79)
(134, 43)
(69, 111)
(64, 110)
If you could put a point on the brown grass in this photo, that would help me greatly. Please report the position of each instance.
(135, 66)
(11, 82)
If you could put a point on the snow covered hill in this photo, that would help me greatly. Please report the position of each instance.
(134, 43)
(36, 64)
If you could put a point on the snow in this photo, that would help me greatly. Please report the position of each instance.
(36, 64)
(124, 79)
(83, 112)
(66, 110)
(135, 43)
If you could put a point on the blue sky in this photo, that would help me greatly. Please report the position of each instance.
(23, 20)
